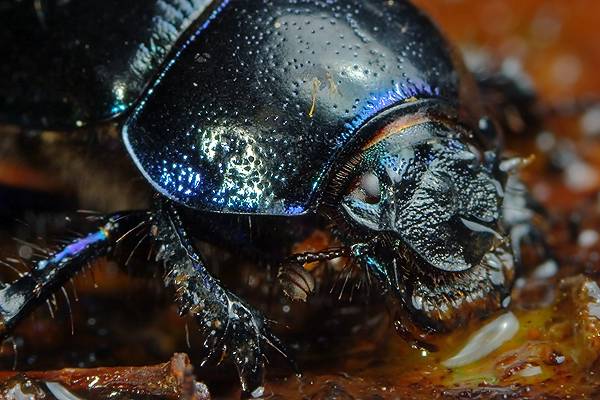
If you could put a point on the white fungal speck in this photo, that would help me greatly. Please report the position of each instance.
(545, 141)
(587, 238)
(579, 176)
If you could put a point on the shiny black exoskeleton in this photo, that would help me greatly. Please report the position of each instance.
(358, 111)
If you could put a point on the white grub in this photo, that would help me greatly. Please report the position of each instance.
(587, 238)
(487, 339)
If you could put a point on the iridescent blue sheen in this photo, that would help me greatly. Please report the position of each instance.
(253, 111)
(380, 101)
(74, 249)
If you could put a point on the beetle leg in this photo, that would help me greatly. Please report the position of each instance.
(228, 323)
(18, 298)
(324, 255)
(520, 210)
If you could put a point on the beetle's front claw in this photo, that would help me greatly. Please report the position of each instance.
(245, 337)
(249, 360)
(247, 346)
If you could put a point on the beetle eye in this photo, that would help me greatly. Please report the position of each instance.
(367, 189)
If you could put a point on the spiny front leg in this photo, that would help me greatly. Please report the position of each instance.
(229, 324)
(46, 276)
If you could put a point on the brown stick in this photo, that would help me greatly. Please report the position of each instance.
(171, 380)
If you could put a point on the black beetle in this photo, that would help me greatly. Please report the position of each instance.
(356, 111)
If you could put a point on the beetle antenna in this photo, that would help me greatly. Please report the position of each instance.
(323, 255)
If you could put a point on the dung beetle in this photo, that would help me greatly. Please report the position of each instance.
(355, 112)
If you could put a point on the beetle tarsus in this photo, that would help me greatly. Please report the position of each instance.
(228, 323)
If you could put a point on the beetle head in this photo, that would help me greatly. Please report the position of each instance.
(429, 205)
